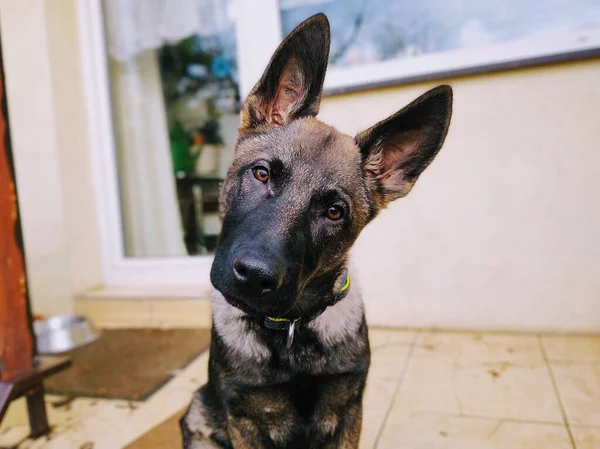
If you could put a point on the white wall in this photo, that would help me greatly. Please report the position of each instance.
(503, 229)
(36, 154)
(76, 166)
(48, 130)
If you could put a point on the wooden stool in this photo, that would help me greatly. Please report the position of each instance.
(31, 385)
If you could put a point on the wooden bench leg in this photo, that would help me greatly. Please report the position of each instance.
(36, 409)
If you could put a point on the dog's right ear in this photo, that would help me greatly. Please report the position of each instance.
(292, 84)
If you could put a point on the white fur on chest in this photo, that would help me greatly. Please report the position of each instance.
(342, 319)
(234, 331)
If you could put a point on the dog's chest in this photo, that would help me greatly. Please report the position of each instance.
(298, 413)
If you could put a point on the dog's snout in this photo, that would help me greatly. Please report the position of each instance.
(256, 276)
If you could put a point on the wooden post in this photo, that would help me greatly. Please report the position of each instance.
(16, 340)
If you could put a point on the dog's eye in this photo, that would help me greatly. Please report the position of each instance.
(261, 173)
(334, 213)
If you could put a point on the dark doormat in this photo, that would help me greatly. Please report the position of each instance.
(129, 363)
(166, 435)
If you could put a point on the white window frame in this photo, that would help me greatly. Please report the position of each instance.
(258, 34)
(118, 269)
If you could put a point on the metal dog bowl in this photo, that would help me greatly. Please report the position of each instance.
(62, 333)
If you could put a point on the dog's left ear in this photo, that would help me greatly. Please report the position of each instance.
(396, 150)
(292, 84)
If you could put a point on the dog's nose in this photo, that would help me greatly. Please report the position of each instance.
(255, 276)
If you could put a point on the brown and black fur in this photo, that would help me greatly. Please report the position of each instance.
(283, 250)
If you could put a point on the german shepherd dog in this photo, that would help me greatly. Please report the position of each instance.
(289, 354)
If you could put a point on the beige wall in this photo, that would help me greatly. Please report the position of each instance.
(35, 146)
(48, 130)
(503, 230)
(76, 166)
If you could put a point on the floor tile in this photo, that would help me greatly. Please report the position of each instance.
(469, 348)
(73, 437)
(114, 424)
(106, 429)
(566, 348)
(15, 416)
(501, 392)
(61, 411)
(381, 337)
(579, 389)
(492, 376)
(389, 354)
(586, 437)
(11, 436)
(67, 419)
(438, 431)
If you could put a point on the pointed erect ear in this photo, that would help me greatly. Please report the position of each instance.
(293, 81)
(396, 150)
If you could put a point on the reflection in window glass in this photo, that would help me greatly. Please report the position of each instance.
(368, 31)
(175, 100)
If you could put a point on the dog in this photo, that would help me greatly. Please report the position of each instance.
(289, 354)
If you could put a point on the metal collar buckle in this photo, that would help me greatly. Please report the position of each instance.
(283, 324)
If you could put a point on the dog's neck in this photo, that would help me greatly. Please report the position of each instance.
(334, 324)
(338, 279)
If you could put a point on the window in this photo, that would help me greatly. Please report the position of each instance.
(174, 88)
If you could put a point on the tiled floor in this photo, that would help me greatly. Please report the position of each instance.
(426, 390)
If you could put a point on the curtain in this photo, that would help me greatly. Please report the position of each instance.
(137, 25)
(135, 30)
(151, 220)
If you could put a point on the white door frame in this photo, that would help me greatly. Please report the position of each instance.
(258, 35)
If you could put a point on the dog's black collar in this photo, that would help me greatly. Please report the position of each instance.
(282, 324)
(342, 287)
